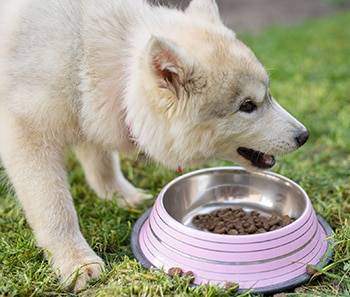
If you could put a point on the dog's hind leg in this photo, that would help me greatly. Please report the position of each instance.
(104, 175)
(36, 169)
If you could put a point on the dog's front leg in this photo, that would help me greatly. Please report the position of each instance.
(104, 175)
(36, 169)
(133, 196)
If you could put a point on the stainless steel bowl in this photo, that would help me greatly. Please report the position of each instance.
(205, 191)
(266, 263)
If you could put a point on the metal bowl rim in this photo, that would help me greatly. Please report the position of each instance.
(282, 232)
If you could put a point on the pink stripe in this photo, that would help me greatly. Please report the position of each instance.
(234, 257)
(266, 239)
(173, 237)
(255, 281)
(273, 268)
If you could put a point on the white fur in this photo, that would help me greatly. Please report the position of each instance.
(102, 76)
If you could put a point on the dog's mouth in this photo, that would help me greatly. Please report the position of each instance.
(258, 159)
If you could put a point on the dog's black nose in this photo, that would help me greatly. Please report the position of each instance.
(302, 138)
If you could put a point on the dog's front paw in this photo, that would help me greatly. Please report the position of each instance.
(77, 269)
(135, 199)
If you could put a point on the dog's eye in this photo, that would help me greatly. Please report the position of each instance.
(248, 106)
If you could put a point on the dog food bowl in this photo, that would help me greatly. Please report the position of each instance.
(265, 263)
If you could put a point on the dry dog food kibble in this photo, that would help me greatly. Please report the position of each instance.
(190, 276)
(311, 270)
(175, 271)
(235, 221)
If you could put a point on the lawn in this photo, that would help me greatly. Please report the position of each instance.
(310, 73)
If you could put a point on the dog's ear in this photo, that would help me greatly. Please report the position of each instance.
(205, 8)
(169, 64)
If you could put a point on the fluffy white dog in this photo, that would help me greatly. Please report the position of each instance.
(114, 76)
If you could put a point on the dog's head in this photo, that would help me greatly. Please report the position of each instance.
(207, 96)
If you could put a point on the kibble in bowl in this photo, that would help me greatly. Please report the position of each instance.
(236, 221)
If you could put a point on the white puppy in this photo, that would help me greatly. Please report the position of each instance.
(117, 75)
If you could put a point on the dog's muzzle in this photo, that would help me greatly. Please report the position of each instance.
(258, 159)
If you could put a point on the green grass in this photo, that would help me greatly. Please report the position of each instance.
(310, 73)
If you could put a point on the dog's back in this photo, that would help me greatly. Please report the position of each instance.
(39, 54)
